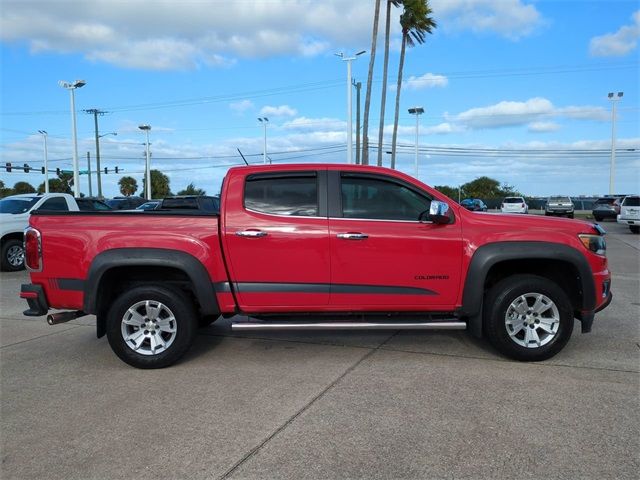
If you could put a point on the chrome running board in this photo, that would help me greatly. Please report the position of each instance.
(349, 326)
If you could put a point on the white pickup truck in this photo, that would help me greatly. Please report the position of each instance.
(14, 218)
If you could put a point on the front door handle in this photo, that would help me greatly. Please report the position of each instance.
(251, 233)
(353, 236)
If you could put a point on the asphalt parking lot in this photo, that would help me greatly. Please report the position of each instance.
(324, 405)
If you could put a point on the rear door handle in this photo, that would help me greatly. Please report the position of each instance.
(251, 233)
(353, 236)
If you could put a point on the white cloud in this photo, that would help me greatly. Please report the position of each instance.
(443, 128)
(510, 113)
(512, 19)
(543, 127)
(279, 111)
(315, 124)
(619, 43)
(187, 35)
(241, 106)
(428, 80)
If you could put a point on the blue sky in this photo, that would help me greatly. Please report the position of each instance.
(516, 88)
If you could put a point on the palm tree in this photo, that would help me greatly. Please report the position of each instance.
(383, 101)
(416, 23)
(367, 100)
(128, 186)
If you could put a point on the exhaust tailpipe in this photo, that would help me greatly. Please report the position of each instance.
(62, 317)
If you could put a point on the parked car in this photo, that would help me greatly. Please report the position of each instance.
(474, 204)
(630, 213)
(14, 218)
(559, 206)
(606, 207)
(204, 203)
(125, 203)
(514, 205)
(92, 204)
(151, 205)
(323, 246)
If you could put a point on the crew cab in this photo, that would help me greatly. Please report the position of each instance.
(322, 246)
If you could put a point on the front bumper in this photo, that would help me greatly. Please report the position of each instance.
(628, 221)
(34, 295)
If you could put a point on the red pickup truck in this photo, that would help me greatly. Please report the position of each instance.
(318, 247)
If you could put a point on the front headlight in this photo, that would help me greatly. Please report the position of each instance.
(595, 243)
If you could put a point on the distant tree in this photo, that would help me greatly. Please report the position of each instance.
(23, 187)
(4, 191)
(192, 190)
(159, 185)
(486, 187)
(451, 192)
(62, 184)
(128, 186)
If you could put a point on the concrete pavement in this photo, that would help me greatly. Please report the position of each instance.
(323, 405)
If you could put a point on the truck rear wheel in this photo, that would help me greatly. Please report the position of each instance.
(528, 318)
(151, 326)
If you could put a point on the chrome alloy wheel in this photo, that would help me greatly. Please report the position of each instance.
(15, 256)
(532, 320)
(148, 327)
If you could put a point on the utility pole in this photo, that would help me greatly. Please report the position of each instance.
(358, 86)
(417, 111)
(46, 158)
(264, 121)
(349, 106)
(612, 173)
(95, 112)
(89, 173)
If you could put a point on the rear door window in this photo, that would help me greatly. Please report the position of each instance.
(288, 194)
(55, 204)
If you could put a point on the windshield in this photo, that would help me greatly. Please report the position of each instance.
(559, 200)
(631, 202)
(513, 200)
(17, 205)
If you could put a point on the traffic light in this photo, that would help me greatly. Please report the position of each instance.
(26, 168)
(106, 170)
(116, 169)
(58, 171)
(7, 167)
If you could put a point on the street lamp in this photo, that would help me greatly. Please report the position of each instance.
(46, 171)
(147, 167)
(417, 111)
(264, 121)
(612, 173)
(98, 137)
(349, 114)
(71, 86)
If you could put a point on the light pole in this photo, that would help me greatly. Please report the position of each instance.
(264, 121)
(46, 157)
(349, 102)
(147, 167)
(612, 173)
(98, 137)
(71, 86)
(417, 111)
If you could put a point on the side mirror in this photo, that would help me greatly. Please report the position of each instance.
(438, 213)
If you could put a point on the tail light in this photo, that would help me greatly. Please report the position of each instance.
(32, 249)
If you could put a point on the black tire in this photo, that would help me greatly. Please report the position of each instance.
(570, 215)
(634, 228)
(597, 218)
(547, 214)
(175, 303)
(10, 248)
(505, 294)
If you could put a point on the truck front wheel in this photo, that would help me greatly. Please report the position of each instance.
(528, 318)
(151, 326)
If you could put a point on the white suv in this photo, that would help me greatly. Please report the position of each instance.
(514, 205)
(630, 213)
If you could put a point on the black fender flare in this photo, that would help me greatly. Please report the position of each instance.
(203, 286)
(486, 256)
